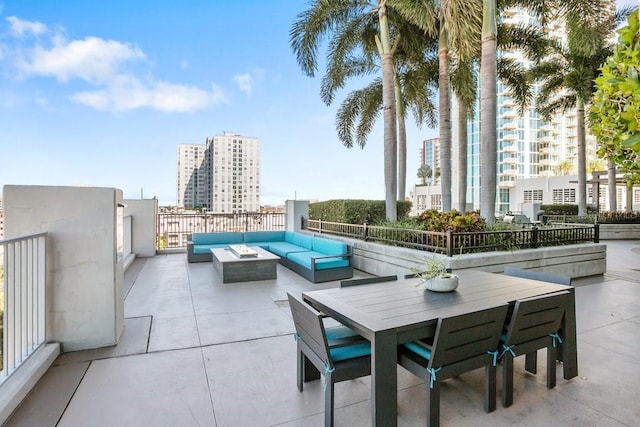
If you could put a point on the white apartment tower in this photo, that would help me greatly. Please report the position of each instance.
(192, 181)
(528, 147)
(235, 173)
(221, 176)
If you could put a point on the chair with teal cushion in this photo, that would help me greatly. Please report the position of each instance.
(533, 325)
(338, 357)
(461, 344)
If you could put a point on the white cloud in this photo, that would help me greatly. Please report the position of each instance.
(244, 82)
(93, 59)
(20, 27)
(108, 67)
(129, 93)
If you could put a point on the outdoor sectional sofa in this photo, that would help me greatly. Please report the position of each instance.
(315, 258)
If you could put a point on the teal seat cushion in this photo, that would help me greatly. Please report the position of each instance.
(304, 259)
(338, 332)
(282, 249)
(418, 349)
(263, 236)
(350, 351)
(329, 247)
(299, 239)
(217, 238)
(205, 249)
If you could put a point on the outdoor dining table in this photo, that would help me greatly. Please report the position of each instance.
(392, 313)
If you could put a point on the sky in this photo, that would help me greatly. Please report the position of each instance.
(101, 94)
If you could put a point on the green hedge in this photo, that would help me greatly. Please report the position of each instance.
(355, 211)
(560, 209)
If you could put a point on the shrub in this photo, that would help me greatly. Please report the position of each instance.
(434, 220)
(560, 209)
(355, 211)
(619, 218)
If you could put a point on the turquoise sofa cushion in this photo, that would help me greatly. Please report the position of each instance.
(299, 239)
(216, 238)
(329, 247)
(282, 249)
(304, 259)
(263, 236)
(204, 249)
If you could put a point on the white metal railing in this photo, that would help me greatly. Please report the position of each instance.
(24, 319)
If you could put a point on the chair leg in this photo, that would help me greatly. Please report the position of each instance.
(507, 380)
(433, 404)
(531, 362)
(309, 371)
(300, 369)
(490, 389)
(551, 367)
(328, 400)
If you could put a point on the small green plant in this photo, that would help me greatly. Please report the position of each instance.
(432, 267)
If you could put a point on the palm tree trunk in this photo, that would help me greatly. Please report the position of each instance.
(402, 144)
(582, 159)
(611, 186)
(445, 119)
(488, 105)
(389, 115)
(462, 157)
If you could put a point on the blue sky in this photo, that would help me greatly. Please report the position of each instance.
(101, 94)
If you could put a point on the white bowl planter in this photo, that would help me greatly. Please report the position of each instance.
(446, 283)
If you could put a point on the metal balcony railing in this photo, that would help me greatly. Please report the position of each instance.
(173, 229)
(23, 327)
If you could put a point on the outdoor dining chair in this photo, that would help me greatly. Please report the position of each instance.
(534, 325)
(543, 276)
(336, 359)
(461, 344)
(367, 280)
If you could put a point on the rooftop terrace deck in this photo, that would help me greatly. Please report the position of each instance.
(196, 352)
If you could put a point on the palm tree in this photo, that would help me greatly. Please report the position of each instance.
(335, 16)
(457, 24)
(578, 12)
(567, 81)
(415, 69)
(565, 167)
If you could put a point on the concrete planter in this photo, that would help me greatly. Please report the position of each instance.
(619, 231)
(575, 261)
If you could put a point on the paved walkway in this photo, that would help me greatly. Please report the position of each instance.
(195, 352)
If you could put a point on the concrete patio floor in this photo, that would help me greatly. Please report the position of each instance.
(196, 352)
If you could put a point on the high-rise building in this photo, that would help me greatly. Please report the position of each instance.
(528, 146)
(430, 157)
(222, 175)
(192, 181)
(235, 173)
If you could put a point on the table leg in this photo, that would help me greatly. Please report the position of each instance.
(384, 379)
(569, 339)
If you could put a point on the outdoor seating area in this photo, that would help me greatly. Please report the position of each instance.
(195, 351)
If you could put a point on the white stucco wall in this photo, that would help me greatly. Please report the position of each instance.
(85, 306)
(143, 227)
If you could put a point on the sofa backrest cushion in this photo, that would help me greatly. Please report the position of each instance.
(263, 236)
(299, 239)
(216, 238)
(329, 247)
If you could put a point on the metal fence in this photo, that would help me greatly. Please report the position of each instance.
(173, 229)
(452, 243)
(23, 328)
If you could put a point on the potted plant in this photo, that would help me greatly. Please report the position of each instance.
(435, 276)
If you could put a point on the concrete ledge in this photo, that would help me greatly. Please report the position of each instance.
(18, 385)
(580, 260)
(619, 231)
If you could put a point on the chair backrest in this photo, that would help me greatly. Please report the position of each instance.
(467, 336)
(309, 327)
(535, 318)
(367, 281)
(538, 275)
